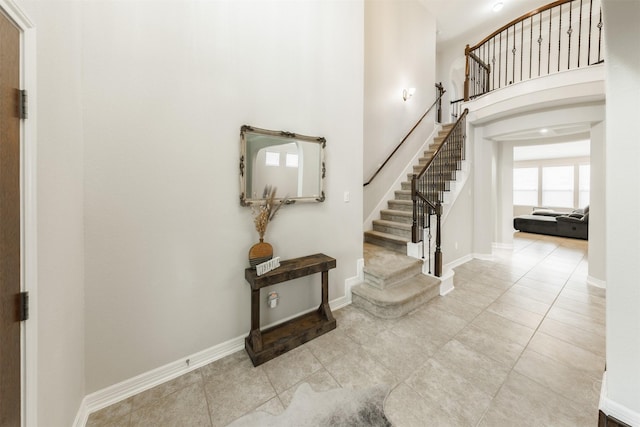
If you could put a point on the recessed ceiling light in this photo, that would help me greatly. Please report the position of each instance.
(544, 130)
(497, 6)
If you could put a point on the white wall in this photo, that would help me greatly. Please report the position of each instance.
(598, 208)
(622, 197)
(399, 54)
(166, 87)
(140, 106)
(504, 211)
(60, 314)
(450, 61)
(457, 228)
(484, 204)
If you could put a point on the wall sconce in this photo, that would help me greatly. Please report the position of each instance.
(497, 6)
(408, 93)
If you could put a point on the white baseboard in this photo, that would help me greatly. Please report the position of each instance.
(458, 262)
(125, 389)
(502, 246)
(132, 386)
(446, 282)
(348, 284)
(484, 257)
(596, 282)
(614, 409)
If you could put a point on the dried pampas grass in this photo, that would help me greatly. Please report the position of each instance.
(265, 212)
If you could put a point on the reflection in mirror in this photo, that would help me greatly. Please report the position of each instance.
(292, 163)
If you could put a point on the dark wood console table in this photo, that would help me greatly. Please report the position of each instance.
(265, 345)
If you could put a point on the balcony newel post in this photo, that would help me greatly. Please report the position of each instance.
(441, 91)
(437, 258)
(466, 73)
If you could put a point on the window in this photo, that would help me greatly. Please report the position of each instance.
(292, 160)
(525, 186)
(584, 177)
(272, 158)
(557, 186)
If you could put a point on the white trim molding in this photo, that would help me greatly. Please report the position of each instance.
(502, 246)
(458, 262)
(484, 257)
(125, 389)
(29, 220)
(614, 409)
(446, 282)
(348, 284)
(596, 282)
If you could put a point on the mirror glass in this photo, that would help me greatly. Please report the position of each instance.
(292, 163)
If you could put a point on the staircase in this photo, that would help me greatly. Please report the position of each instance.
(393, 229)
(393, 282)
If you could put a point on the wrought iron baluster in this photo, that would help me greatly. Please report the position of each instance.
(569, 32)
(506, 59)
(493, 63)
(540, 44)
(559, 35)
(549, 44)
(513, 69)
(579, 34)
(500, 61)
(590, 26)
(521, 46)
(600, 25)
(530, 46)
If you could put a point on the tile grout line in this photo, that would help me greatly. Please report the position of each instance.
(532, 335)
(206, 396)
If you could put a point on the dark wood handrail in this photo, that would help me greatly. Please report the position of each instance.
(448, 157)
(476, 58)
(423, 197)
(405, 138)
(424, 169)
(517, 20)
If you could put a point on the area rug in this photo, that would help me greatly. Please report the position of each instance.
(338, 407)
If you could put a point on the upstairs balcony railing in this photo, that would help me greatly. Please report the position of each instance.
(563, 35)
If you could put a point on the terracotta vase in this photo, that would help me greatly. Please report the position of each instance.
(259, 253)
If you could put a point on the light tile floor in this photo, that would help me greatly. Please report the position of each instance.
(520, 341)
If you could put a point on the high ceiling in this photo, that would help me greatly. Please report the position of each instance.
(457, 19)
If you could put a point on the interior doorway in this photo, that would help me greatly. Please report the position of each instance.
(10, 226)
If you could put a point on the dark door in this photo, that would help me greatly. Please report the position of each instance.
(9, 224)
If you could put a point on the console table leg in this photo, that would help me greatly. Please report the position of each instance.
(255, 335)
(324, 307)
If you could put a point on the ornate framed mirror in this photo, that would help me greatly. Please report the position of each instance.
(292, 163)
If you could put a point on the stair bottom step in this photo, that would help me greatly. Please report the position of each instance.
(398, 301)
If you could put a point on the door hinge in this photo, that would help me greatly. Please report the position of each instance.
(22, 104)
(24, 306)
